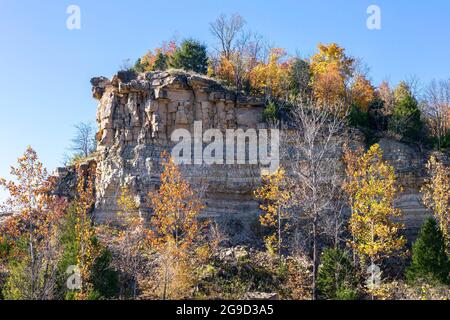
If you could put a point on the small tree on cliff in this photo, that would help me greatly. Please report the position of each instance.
(190, 56)
(371, 187)
(176, 233)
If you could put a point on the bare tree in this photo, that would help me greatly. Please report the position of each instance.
(436, 108)
(84, 143)
(226, 30)
(312, 147)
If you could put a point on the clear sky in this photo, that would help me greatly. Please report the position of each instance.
(45, 68)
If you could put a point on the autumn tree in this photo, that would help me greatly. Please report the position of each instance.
(271, 78)
(371, 187)
(176, 232)
(436, 194)
(157, 59)
(32, 231)
(363, 93)
(331, 68)
(275, 198)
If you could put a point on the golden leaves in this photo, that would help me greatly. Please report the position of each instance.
(371, 186)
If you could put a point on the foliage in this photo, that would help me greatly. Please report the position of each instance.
(363, 93)
(176, 233)
(30, 234)
(190, 56)
(358, 118)
(299, 78)
(330, 68)
(336, 278)
(271, 77)
(157, 59)
(430, 261)
(406, 115)
(274, 197)
(371, 187)
(436, 195)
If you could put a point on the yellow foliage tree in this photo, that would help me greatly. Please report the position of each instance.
(274, 196)
(271, 78)
(176, 233)
(436, 194)
(330, 69)
(371, 187)
(363, 93)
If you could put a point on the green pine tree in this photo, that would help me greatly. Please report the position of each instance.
(190, 56)
(429, 258)
(336, 278)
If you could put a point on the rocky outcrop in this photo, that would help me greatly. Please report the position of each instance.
(137, 115)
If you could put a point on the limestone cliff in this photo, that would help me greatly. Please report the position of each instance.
(136, 116)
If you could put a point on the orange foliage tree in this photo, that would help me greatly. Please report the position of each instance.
(176, 234)
(330, 68)
(31, 231)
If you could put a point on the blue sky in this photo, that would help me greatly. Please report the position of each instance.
(46, 68)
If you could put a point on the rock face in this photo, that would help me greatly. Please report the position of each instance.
(137, 115)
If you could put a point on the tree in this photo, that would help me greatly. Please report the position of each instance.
(190, 56)
(275, 198)
(316, 182)
(84, 142)
(371, 187)
(82, 247)
(430, 261)
(363, 93)
(406, 117)
(157, 59)
(226, 31)
(176, 234)
(300, 78)
(129, 244)
(32, 230)
(272, 78)
(336, 278)
(436, 195)
(437, 110)
(330, 68)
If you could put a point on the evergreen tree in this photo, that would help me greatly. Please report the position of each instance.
(429, 259)
(191, 56)
(160, 62)
(405, 119)
(336, 277)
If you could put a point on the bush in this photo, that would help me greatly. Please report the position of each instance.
(336, 279)
(191, 56)
(429, 258)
